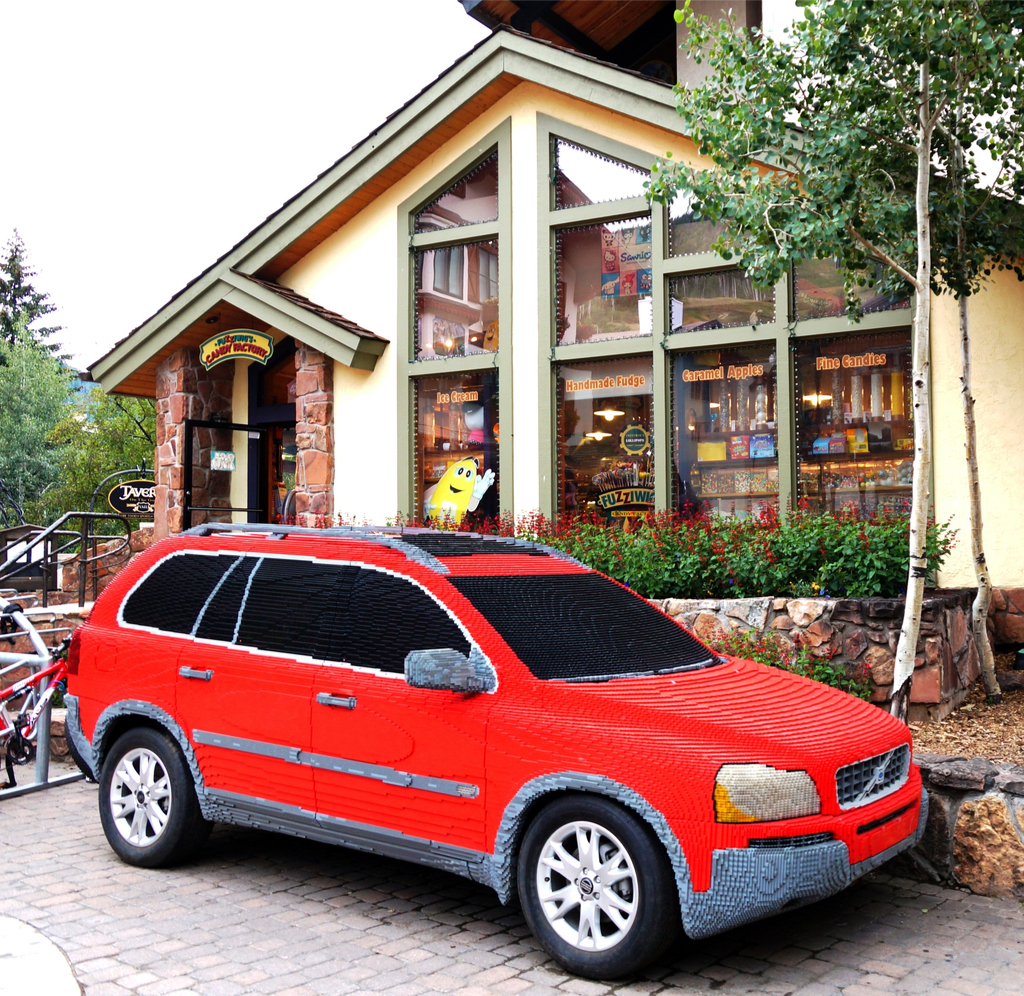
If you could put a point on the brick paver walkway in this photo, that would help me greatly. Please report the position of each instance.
(263, 913)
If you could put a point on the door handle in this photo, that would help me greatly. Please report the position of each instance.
(344, 701)
(191, 672)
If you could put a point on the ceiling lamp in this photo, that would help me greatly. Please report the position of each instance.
(598, 435)
(609, 413)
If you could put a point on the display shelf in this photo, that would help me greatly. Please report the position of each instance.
(737, 494)
(872, 455)
(727, 462)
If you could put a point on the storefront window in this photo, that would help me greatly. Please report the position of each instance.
(457, 447)
(689, 232)
(719, 300)
(585, 177)
(818, 290)
(457, 300)
(470, 201)
(605, 438)
(855, 428)
(725, 428)
(603, 281)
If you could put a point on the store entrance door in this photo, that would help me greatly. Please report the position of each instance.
(226, 471)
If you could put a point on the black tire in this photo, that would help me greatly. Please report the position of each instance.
(654, 905)
(172, 795)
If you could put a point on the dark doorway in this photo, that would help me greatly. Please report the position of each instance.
(272, 410)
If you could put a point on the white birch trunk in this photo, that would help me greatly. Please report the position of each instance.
(906, 650)
(979, 612)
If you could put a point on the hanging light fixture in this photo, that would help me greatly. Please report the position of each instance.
(609, 413)
(598, 435)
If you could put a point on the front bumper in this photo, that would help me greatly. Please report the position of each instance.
(751, 883)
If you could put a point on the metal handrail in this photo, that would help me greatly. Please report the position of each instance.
(80, 538)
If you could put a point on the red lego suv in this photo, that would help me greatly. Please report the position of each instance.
(485, 706)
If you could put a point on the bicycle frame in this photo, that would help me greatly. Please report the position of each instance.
(49, 679)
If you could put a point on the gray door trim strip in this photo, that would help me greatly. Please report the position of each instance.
(246, 810)
(342, 765)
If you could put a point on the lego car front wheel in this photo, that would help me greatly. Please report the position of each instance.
(148, 806)
(596, 887)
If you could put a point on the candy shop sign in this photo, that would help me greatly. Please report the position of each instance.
(734, 372)
(247, 344)
(864, 360)
(455, 397)
(625, 498)
(603, 383)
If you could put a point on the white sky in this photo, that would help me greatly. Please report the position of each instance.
(143, 140)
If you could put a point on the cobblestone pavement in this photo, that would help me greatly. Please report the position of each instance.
(262, 913)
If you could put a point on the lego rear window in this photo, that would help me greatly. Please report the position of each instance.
(171, 597)
(582, 627)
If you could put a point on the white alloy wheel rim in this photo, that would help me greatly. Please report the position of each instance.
(587, 886)
(140, 797)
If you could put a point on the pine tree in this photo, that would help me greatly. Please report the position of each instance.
(21, 304)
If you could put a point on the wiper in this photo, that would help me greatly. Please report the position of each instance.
(651, 673)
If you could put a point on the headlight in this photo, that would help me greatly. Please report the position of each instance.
(756, 793)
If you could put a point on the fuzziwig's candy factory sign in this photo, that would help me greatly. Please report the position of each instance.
(246, 344)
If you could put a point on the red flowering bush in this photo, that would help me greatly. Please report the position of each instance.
(769, 649)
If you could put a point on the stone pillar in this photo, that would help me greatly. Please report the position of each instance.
(314, 438)
(185, 389)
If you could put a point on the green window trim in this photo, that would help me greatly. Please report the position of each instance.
(779, 333)
(409, 369)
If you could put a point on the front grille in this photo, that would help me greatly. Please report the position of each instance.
(872, 778)
(804, 840)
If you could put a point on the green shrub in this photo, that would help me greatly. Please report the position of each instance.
(803, 554)
(768, 649)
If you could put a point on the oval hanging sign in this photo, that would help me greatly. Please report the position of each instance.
(247, 344)
(132, 497)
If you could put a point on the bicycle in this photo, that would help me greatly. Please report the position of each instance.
(37, 690)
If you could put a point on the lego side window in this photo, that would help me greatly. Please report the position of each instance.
(289, 605)
(172, 596)
(388, 618)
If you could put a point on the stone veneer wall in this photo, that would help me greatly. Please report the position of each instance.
(1006, 616)
(975, 831)
(185, 389)
(314, 437)
(860, 633)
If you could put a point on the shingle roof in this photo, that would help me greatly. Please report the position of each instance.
(321, 312)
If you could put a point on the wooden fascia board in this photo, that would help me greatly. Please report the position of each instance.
(519, 57)
(605, 86)
(338, 343)
(502, 53)
(125, 358)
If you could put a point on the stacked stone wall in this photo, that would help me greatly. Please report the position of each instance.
(314, 437)
(1006, 617)
(860, 633)
(975, 832)
(185, 389)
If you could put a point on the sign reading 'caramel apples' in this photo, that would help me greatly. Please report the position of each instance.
(245, 344)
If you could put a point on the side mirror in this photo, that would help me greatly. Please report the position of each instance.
(445, 669)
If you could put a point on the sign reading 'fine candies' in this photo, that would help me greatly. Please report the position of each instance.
(132, 497)
(245, 344)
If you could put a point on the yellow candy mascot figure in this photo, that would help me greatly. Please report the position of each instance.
(459, 491)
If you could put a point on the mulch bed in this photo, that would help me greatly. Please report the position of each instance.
(979, 730)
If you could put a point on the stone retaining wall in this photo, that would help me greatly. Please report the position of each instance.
(975, 832)
(1006, 616)
(860, 633)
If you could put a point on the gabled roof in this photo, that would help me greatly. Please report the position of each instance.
(458, 96)
(304, 302)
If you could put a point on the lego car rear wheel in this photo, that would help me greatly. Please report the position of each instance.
(596, 887)
(148, 805)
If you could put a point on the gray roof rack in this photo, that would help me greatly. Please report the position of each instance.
(390, 536)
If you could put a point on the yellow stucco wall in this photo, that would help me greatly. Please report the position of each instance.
(354, 273)
(997, 360)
